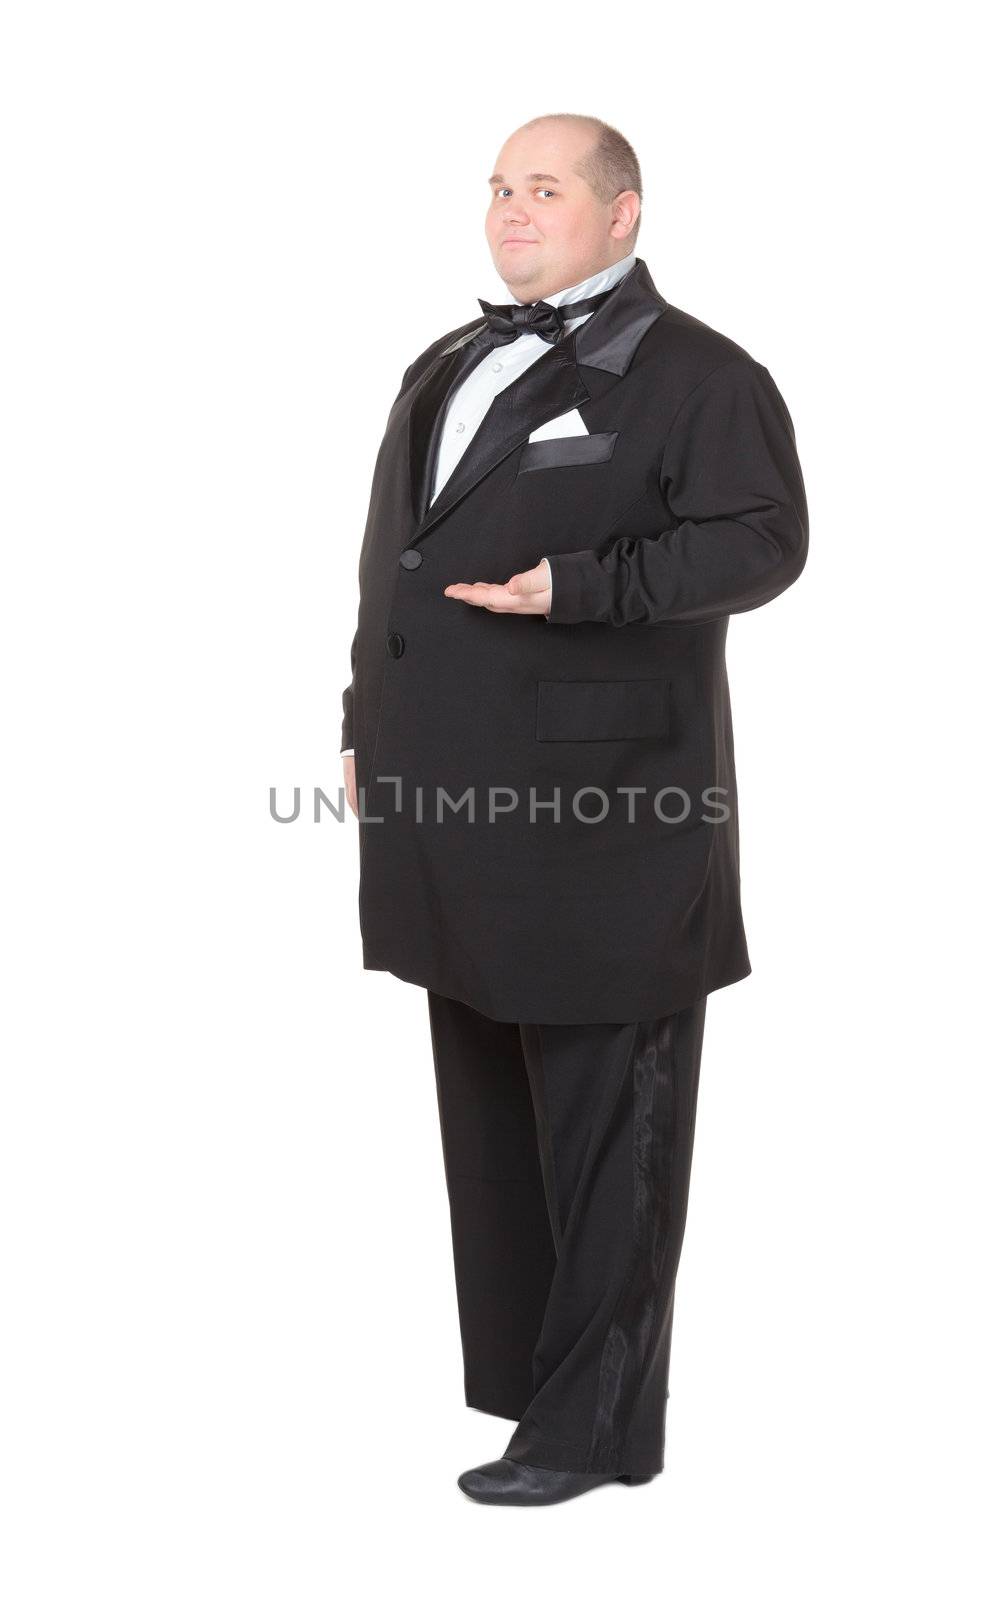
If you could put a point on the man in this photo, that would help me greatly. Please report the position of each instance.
(574, 492)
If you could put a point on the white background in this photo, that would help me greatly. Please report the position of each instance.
(231, 1363)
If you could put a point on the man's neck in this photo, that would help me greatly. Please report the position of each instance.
(600, 278)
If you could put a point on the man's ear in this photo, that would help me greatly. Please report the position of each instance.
(626, 210)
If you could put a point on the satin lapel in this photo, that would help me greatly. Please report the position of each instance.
(551, 386)
(427, 414)
(610, 338)
(607, 342)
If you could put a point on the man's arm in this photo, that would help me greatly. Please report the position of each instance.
(732, 477)
(348, 706)
(412, 373)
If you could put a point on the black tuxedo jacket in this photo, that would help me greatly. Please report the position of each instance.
(550, 828)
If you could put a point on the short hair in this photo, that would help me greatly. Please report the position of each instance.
(610, 166)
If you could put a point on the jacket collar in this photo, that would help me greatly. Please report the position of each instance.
(610, 338)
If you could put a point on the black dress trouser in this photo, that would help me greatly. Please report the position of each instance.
(567, 1152)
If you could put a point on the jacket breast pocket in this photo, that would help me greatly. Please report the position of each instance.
(575, 450)
(588, 708)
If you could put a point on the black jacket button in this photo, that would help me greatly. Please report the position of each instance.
(394, 644)
(411, 560)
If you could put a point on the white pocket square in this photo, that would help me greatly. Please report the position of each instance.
(563, 427)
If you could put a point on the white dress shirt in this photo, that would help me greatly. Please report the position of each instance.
(469, 402)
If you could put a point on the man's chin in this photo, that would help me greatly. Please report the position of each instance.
(516, 274)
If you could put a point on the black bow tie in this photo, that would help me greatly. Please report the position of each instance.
(505, 323)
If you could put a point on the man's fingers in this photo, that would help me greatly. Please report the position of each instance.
(526, 592)
(494, 595)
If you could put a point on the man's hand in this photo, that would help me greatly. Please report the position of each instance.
(350, 785)
(527, 594)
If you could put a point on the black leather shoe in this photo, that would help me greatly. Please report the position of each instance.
(512, 1483)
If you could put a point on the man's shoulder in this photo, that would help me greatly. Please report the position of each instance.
(689, 348)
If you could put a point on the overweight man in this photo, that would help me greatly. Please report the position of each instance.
(575, 490)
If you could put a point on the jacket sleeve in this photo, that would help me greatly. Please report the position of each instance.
(733, 484)
(348, 704)
(348, 693)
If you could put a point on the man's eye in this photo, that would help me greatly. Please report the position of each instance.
(545, 191)
(501, 192)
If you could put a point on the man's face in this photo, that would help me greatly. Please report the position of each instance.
(545, 227)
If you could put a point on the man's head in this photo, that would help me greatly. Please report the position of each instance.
(565, 203)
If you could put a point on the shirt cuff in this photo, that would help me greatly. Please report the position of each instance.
(347, 752)
(578, 579)
(551, 586)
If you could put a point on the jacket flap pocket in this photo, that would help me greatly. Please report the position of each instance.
(619, 708)
(573, 450)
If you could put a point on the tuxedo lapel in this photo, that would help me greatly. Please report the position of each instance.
(553, 384)
(427, 412)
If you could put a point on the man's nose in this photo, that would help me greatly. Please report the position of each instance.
(516, 213)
